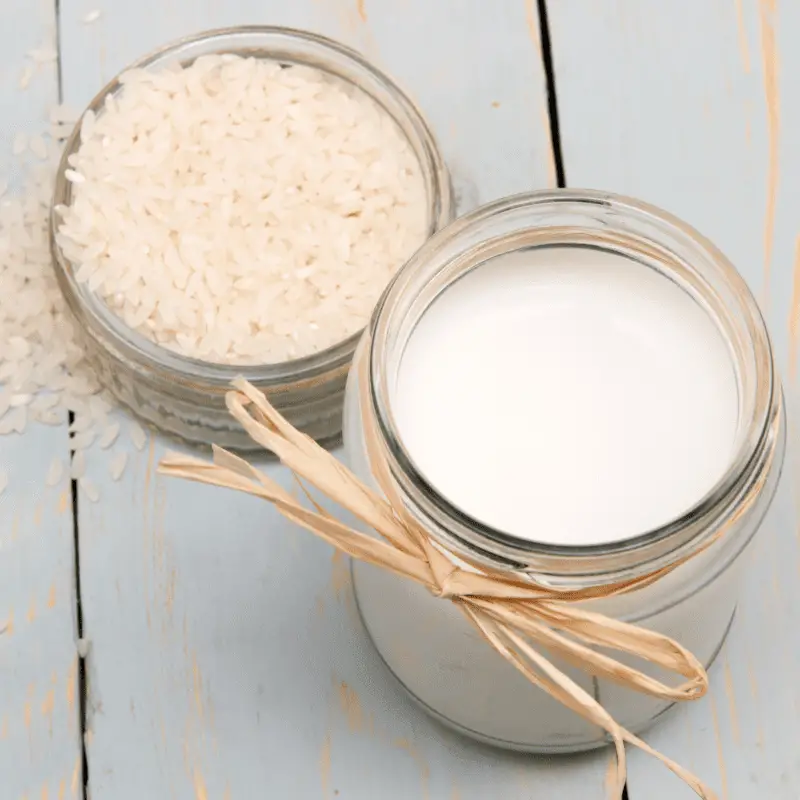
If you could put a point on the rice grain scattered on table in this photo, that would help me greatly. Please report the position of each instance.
(109, 436)
(240, 211)
(26, 77)
(78, 466)
(89, 489)
(55, 472)
(117, 465)
(43, 370)
(138, 436)
(83, 440)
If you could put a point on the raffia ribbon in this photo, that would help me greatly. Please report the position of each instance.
(510, 612)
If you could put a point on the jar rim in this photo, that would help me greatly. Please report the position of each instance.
(494, 547)
(277, 42)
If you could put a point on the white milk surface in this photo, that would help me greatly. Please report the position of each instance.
(568, 395)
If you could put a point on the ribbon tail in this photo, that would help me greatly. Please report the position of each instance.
(565, 690)
(701, 789)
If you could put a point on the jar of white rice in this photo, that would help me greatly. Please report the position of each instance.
(235, 204)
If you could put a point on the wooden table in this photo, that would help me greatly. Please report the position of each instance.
(179, 643)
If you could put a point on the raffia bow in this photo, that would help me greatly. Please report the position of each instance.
(510, 612)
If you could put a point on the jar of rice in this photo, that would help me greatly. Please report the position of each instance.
(235, 204)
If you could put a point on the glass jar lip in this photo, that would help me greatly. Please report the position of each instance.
(493, 545)
(292, 372)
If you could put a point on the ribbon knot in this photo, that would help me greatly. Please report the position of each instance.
(517, 616)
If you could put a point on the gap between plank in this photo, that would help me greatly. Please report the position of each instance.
(79, 631)
(552, 100)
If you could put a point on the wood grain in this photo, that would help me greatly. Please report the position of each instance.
(691, 106)
(39, 727)
(226, 658)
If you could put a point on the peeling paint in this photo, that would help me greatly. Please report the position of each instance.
(48, 704)
(197, 688)
(351, 707)
(31, 615)
(425, 770)
(744, 48)
(751, 677)
(723, 777)
(76, 774)
(200, 792)
(28, 710)
(325, 766)
(769, 56)
(169, 599)
(794, 313)
(532, 21)
(72, 679)
(731, 695)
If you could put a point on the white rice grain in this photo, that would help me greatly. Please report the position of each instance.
(138, 436)
(92, 16)
(265, 208)
(82, 441)
(80, 424)
(89, 489)
(55, 473)
(109, 436)
(61, 131)
(74, 177)
(42, 366)
(117, 465)
(78, 467)
(45, 402)
(14, 421)
(26, 77)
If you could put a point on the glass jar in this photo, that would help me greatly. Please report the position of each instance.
(186, 396)
(426, 642)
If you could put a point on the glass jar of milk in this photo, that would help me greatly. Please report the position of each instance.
(577, 388)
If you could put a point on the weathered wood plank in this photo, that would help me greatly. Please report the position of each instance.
(226, 657)
(690, 106)
(39, 728)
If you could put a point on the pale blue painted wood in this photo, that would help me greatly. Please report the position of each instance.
(694, 107)
(39, 727)
(226, 657)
